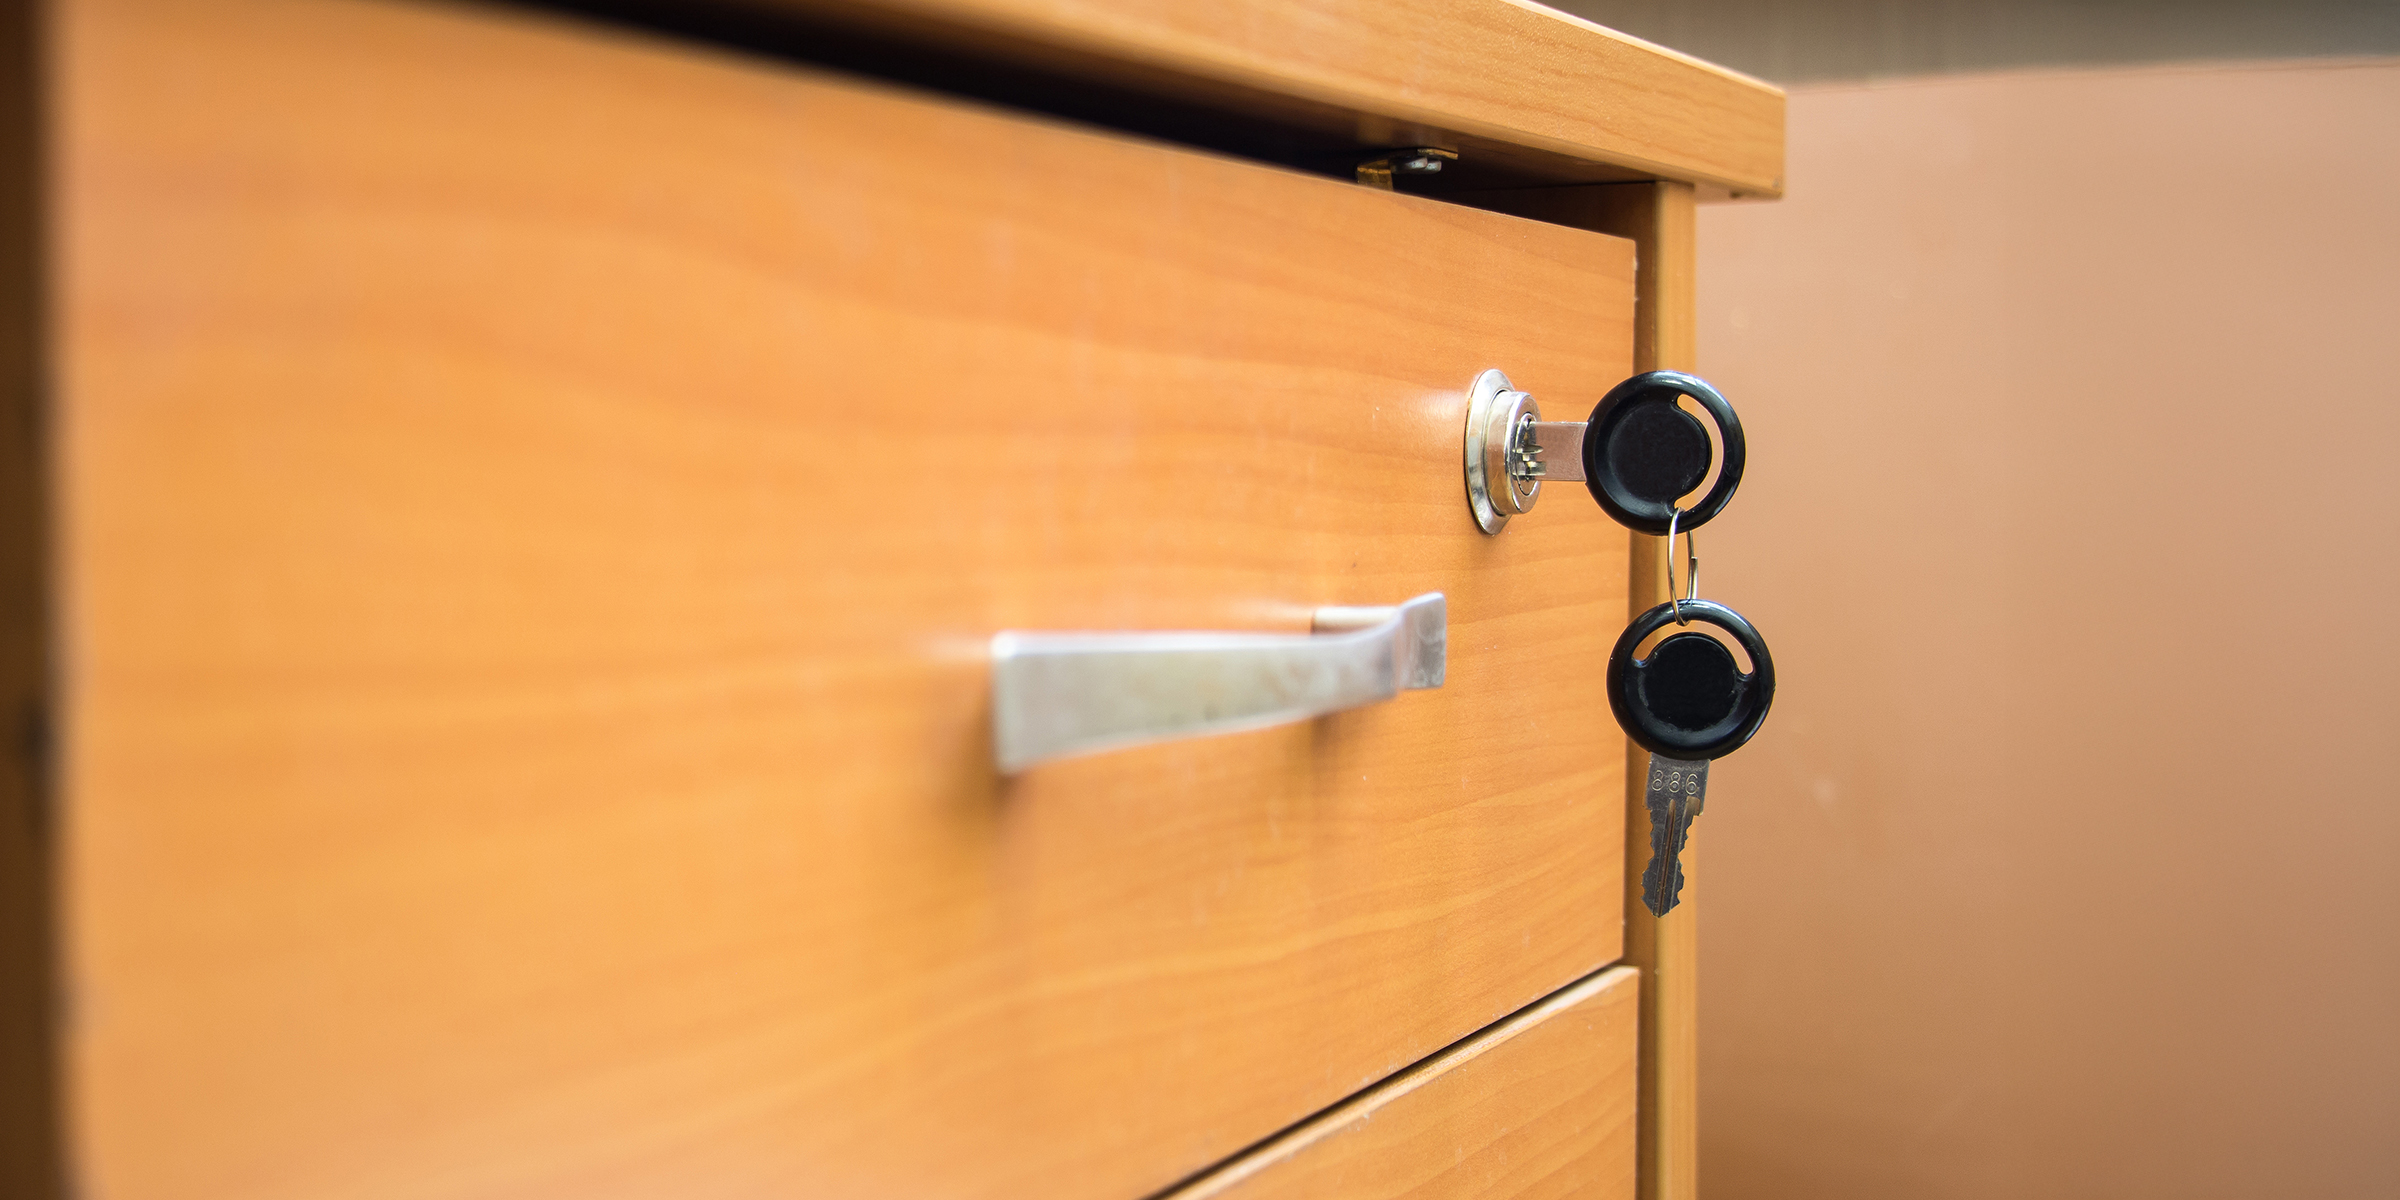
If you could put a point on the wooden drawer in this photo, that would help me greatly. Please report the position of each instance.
(533, 500)
(1539, 1105)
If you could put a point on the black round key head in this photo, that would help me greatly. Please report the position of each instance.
(1690, 681)
(1641, 452)
(1657, 452)
(1690, 699)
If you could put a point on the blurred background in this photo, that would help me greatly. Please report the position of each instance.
(2070, 864)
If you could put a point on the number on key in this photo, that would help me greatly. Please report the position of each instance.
(1677, 791)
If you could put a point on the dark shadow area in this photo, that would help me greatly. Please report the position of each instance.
(30, 1166)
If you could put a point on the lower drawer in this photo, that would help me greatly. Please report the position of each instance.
(1538, 1105)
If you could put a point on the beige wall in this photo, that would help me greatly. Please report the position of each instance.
(2069, 865)
(1792, 41)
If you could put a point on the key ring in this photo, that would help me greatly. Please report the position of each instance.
(1691, 547)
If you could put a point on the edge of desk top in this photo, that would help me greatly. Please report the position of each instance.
(1584, 103)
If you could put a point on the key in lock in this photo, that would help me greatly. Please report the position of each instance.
(1688, 701)
(1638, 453)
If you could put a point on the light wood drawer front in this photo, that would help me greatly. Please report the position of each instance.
(533, 504)
(1539, 1106)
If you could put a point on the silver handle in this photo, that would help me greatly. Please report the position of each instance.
(1057, 694)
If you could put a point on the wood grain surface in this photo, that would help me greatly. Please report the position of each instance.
(533, 502)
(1506, 74)
(1539, 1105)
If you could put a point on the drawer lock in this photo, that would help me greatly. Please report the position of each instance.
(1639, 454)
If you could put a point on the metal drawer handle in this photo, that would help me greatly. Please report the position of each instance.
(1057, 694)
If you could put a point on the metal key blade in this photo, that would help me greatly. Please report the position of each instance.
(1676, 792)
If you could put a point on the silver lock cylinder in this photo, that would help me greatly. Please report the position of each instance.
(1510, 450)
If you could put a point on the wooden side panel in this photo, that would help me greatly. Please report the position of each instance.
(1540, 1105)
(533, 504)
(1661, 218)
(1507, 73)
(1666, 949)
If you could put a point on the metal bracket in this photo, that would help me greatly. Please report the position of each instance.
(1416, 160)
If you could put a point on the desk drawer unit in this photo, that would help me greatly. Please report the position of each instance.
(529, 539)
(534, 502)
